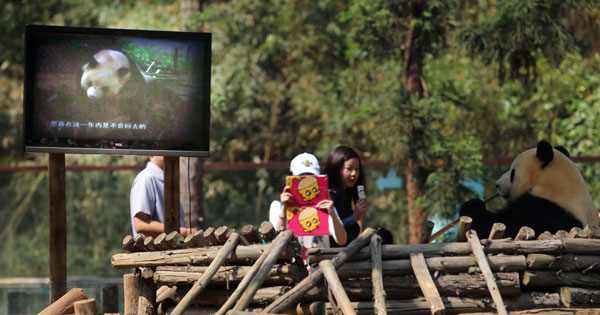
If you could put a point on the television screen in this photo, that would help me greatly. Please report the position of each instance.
(116, 91)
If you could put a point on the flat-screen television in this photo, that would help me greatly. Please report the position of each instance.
(116, 91)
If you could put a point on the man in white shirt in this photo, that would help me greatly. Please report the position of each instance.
(147, 201)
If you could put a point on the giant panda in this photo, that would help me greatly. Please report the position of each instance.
(115, 88)
(544, 190)
(107, 73)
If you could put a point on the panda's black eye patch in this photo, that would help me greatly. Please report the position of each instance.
(122, 72)
(512, 175)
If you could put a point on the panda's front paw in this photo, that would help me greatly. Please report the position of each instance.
(472, 208)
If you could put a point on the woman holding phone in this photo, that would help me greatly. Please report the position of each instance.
(347, 188)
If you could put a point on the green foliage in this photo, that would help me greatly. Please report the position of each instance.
(513, 32)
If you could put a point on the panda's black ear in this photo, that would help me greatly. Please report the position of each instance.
(544, 152)
(93, 63)
(563, 150)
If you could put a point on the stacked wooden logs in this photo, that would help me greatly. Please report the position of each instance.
(552, 271)
(172, 265)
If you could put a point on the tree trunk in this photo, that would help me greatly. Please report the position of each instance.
(413, 56)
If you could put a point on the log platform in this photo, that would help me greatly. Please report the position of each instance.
(534, 273)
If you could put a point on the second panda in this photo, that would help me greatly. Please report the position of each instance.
(544, 190)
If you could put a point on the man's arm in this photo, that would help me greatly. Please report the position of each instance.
(145, 225)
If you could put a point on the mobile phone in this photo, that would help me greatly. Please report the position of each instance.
(361, 192)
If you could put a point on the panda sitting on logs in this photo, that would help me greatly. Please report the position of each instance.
(544, 190)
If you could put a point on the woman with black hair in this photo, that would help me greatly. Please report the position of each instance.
(345, 172)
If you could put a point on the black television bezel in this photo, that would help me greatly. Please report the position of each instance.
(36, 146)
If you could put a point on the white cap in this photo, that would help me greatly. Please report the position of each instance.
(305, 163)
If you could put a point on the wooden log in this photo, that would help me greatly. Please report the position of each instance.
(486, 271)
(592, 231)
(525, 233)
(456, 305)
(138, 242)
(160, 242)
(577, 232)
(64, 305)
(315, 308)
(292, 297)
(279, 245)
(548, 279)
(566, 262)
(441, 264)
(581, 246)
(426, 283)
(131, 282)
(147, 293)
(175, 240)
(377, 275)
(164, 292)
(239, 291)
(464, 224)
(209, 235)
(198, 239)
(221, 234)
(562, 234)
(226, 275)
(218, 295)
(267, 231)
(402, 251)
(336, 287)
(149, 243)
(86, 307)
(199, 285)
(400, 287)
(190, 256)
(250, 233)
(426, 232)
(128, 242)
(546, 236)
(190, 241)
(497, 231)
(579, 297)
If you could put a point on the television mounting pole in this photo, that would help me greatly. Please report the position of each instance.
(171, 194)
(58, 225)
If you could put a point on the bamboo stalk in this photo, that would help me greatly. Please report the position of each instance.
(486, 271)
(225, 251)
